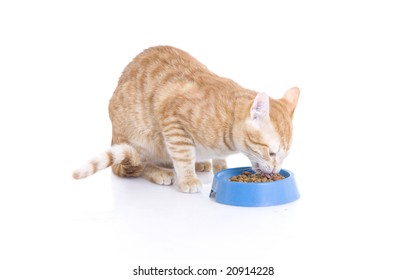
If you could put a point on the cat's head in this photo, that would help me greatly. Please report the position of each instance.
(268, 131)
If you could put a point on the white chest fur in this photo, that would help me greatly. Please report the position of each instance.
(203, 153)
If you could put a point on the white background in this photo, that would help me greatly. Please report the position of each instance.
(59, 64)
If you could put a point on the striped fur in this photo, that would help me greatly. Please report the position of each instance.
(170, 111)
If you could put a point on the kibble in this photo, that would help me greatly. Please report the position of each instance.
(248, 177)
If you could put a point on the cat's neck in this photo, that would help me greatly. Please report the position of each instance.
(241, 114)
(243, 105)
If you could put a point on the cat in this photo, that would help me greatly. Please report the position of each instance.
(171, 117)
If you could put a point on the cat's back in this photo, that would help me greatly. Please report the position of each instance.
(161, 64)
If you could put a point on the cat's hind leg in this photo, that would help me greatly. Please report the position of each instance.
(128, 169)
(158, 175)
(130, 166)
(201, 166)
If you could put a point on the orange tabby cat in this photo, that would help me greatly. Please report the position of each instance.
(170, 112)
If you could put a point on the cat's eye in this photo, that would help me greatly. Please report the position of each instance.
(272, 154)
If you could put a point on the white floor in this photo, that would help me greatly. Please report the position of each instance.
(348, 153)
(103, 227)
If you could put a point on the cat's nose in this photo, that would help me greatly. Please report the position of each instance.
(267, 169)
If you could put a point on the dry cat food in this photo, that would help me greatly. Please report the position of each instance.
(248, 177)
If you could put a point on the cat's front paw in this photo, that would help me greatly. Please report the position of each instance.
(190, 185)
(203, 166)
(218, 165)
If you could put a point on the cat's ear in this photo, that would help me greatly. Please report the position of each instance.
(291, 97)
(260, 107)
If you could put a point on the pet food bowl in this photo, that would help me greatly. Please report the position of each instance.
(253, 194)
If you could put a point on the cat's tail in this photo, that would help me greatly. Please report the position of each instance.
(117, 154)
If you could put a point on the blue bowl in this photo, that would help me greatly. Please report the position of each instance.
(253, 194)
